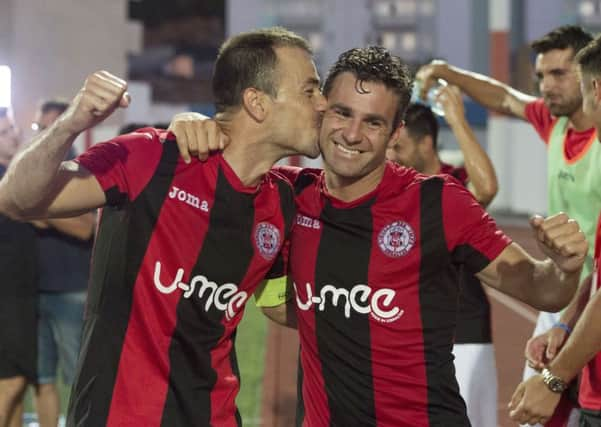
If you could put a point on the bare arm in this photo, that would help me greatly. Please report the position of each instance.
(487, 91)
(80, 227)
(575, 309)
(532, 399)
(483, 180)
(283, 314)
(38, 183)
(547, 285)
(543, 348)
(582, 345)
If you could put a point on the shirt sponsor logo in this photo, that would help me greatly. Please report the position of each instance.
(360, 299)
(566, 176)
(226, 298)
(188, 198)
(308, 222)
(267, 240)
(396, 239)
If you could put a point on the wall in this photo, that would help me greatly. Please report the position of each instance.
(52, 46)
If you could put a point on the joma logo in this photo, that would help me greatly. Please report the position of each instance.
(188, 198)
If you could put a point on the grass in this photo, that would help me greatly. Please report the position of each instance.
(250, 347)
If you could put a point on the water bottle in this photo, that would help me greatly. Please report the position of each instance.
(431, 96)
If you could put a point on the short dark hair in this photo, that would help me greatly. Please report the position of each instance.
(249, 60)
(420, 122)
(589, 57)
(375, 64)
(564, 37)
(132, 127)
(55, 104)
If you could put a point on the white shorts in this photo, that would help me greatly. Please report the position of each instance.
(476, 374)
(545, 322)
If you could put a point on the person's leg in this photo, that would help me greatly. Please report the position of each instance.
(12, 391)
(476, 374)
(47, 405)
(69, 329)
(46, 399)
(17, 418)
(65, 311)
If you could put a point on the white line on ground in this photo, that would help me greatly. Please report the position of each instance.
(513, 305)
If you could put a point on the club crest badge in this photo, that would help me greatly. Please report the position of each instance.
(267, 240)
(396, 239)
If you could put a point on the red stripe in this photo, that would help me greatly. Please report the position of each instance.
(143, 372)
(304, 246)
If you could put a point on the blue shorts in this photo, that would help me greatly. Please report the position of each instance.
(59, 334)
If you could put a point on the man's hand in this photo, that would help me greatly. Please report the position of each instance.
(197, 135)
(559, 237)
(533, 402)
(452, 104)
(101, 94)
(427, 75)
(541, 349)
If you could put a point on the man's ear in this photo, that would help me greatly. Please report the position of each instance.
(596, 83)
(395, 135)
(256, 103)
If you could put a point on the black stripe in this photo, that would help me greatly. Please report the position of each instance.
(287, 204)
(473, 260)
(304, 180)
(300, 403)
(224, 258)
(438, 293)
(473, 316)
(119, 250)
(288, 208)
(344, 342)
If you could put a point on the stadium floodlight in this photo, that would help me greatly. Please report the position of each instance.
(5, 99)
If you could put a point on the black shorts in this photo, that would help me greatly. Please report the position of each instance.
(18, 300)
(590, 418)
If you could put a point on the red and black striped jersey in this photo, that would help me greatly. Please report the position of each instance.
(180, 249)
(590, 380)
(376, 297)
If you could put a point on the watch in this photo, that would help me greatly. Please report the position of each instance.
(555, 384)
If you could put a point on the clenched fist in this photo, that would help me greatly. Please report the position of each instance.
(101, 94)
(559, 237)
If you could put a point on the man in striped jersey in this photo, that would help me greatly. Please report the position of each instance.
(158, 339)
(374, 258)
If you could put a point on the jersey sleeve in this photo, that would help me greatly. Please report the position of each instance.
(473, 238)
(124, 165)
(540, 118)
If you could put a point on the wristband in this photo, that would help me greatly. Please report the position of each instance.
(563, 326)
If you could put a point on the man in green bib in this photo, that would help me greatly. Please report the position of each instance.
(574, 152)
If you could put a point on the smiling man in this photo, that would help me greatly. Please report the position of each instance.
(374, 258)
(158, 340)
